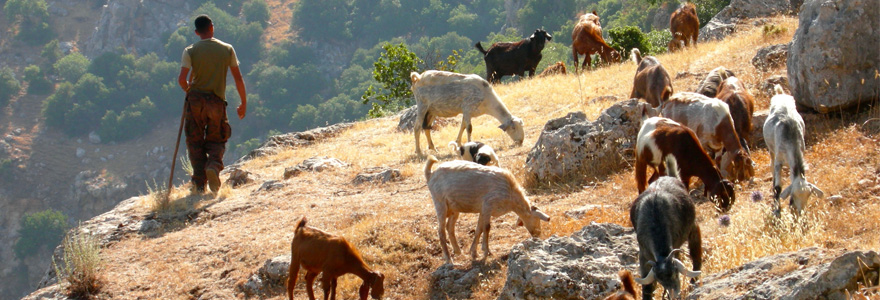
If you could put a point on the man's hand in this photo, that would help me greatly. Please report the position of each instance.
(242, 109)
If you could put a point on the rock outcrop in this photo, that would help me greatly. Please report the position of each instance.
(724, 23)
(294, 140)
(573, 144)
(771, 57)
(581, 266)
(811, 273)
(314, 164)
(834, 59)
(270, 278)
(377, 175)
(137, 26)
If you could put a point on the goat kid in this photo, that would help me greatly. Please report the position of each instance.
(476, 152)
(651, 82)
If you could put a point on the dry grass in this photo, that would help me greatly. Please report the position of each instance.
(394, 227)
(80, 268)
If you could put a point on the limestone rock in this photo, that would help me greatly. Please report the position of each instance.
(269, 185)
(377, 175)
(724, 23)
(295, 140)
(573, 144)
(581, 266)
(314, 164)
(767, 87)
(771, 57)
(94, 138)
(136, 25)
(451, 282)
(834, 59)
(80, 152)
(271, 277)
(811, 273)
(407, 118)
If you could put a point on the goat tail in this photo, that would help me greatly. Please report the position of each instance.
(480, 47)
(301, 224)
(626, 279)
(428, 165)
(636, 55)
(778, 89)
(415, 76)
(671, 166)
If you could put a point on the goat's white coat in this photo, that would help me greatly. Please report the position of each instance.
(464, 152)
(466, 187)
(446, 94)
(784, 135)
(645, 138)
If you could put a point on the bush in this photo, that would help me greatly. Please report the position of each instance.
(706, 9)
(40, 229)
(33, 18)
(72, 66)
(392, 70)
(256, 11)
(80, 265)
(51, 52)
(625, 38)
(6, 169)
(659, 41)
(37, 82)
(134, 119)
(9, 86)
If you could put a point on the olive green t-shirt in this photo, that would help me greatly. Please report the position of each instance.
(208, 60)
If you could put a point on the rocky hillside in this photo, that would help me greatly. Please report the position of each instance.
(234, 244)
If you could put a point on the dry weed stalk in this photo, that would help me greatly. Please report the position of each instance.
(81, 265)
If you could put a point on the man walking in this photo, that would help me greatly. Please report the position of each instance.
(207, 128)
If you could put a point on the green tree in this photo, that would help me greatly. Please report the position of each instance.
(72, 66)
(392, 70)
(51, 52)
(256, 11)
(9, 86)
(58, 104)
(32, 17)
(626, 38)
(706, 9)
(322, 19)
(36, 79)
(40, 229)
(549, 14)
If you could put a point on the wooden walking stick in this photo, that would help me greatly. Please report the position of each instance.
(176, 146)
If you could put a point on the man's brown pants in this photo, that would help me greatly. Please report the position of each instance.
(207, 130)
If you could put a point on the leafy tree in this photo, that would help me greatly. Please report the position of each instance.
(36, 79)
(322, 19)
(33, 18)
(175, 45)
(108, 65)
(256, 11)
(706, 9)
(72, 66)
(137, 117)
(58, 104)
(40, 229)
(51, 52)
(624, 39)
(462, 20)
(659, 40)
(9, 86)
(392, 70)
(550, 14)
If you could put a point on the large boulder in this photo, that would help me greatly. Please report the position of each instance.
(573, 144)
(724, 23)
(581, 266)
(834, 56)
(811, 273)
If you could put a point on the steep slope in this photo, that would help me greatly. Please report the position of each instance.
(208, 247)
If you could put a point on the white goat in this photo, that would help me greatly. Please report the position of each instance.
(784, 135)
(447, 94)
(476, 152)
(465, 187)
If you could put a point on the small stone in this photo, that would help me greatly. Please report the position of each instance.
(80, 152)
(94, 138)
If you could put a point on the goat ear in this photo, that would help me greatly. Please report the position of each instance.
(541, 215)
(785, 193)
(504, 126)
(816, 191)
(519, 222)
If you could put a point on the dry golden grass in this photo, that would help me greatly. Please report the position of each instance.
(228, 237)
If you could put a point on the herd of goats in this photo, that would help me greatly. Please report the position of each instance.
(703, 134)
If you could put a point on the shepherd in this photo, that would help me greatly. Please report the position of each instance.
(207, 128)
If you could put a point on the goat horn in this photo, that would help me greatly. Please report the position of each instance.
(647, 280)
(684, 271)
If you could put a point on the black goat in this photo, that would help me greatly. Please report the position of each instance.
(514, 58)
(664, 218)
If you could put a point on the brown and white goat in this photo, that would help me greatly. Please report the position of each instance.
(742, 104)
(627, 290)
(710, 120)
(320, 252)
(784, 134)
(651, 82)
(660, 137)
(465, 187)
(476, 152)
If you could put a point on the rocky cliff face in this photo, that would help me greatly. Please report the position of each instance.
(136, 26)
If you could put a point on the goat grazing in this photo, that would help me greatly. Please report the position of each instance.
(684, 25)
(446, 94)
(652, 82)
(710, 119)
(320, 252)
(742, 104)
(476, 152)
(709, 85)
(586, 39)
(784, 134)
(664, 218)
(514, 58)
(466, 187)
(661, 137)
(628, 290)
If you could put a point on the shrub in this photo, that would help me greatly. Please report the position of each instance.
(40, 229)
(158, 200)
(33, 17)
(6, 169)
(72, 66)
(9, 86)
(36, 79)
(134, 119)
(80, 265)
(256, 11)
(392, 70)
(659, 41)
(626, 38)
(51, 52)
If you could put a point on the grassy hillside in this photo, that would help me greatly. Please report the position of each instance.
(394, 227)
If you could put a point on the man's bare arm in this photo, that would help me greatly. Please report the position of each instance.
(181, 79)
(242, 92)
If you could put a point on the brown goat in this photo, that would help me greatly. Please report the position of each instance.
(660, 137)
(741, 103)
(628, 290)
(557, 68)
(652, 82)
(684, 25)
(586, 39)
(320, 252)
